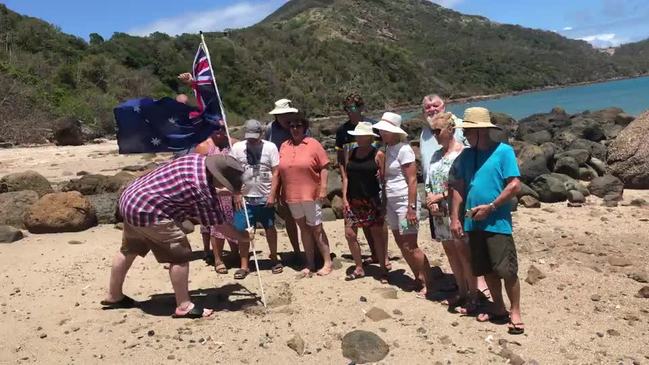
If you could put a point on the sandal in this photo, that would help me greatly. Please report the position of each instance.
(221, 268)
(484, 297)
(196, 312)
(125, 303)
(494, 318)
(516, 328)
(277, 268)
(241, 274)
(353, 276)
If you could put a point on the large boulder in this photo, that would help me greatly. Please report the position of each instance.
(607, 185)
(14, 205)
(587, 173)
(533, 161)
(598, 165)
(61, 212)
(99, 184)
(628, 156)
(68, 132)
(9, 234)
(526, 191)
(539, 137)
(596, 149)
(106, 207)
(27, 180)
(507, 124)
(580, 156)
(568, 166)
(571, 184)
(550, 189)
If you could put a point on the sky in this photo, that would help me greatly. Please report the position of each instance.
(603, 23)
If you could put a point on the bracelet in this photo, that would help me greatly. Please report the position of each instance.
(493, 206)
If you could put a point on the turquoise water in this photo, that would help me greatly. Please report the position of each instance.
(631, 95)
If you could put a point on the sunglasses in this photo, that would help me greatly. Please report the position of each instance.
(436, 131)
(353, 108)
(295, 126)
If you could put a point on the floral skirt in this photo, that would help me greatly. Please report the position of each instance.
(364, 213)
(228, 214)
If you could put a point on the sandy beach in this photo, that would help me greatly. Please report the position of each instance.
(585, 311)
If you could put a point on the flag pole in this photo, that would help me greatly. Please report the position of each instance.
(227, 132)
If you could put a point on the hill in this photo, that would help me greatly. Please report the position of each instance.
(312, 51)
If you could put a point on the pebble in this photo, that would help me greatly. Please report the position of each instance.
(42, 335)
(612, 332)
(643, 292)
(150, 333)
(75, 242)
(362, 299)
(595, 297)
(296, 343)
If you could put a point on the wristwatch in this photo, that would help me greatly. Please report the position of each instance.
(413, 206)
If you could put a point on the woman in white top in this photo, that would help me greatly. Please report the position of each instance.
(401, 193)
(436, 187)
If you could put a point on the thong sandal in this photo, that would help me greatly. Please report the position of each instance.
(277, 268)
(125, 303)
(196, 312)
(516, 328)
(240, 274)
(354, 276)
(221, 268)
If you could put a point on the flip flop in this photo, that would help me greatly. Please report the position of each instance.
(515, 328)
(194, 313)
(494, 318)
(354, 276)
(125, 303)
(221, 269)
(240, 274)
(277, 268)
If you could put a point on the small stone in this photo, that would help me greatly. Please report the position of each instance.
(445, 340)
(362, 299)
(619, 261)
(296, 343)
(595, 297)
(455, 324)
(171, 357)
(534, 275)
(75, 242)
(421, 330)
(640, 277)
(600, 334)
(150, 333)
(643, 292)
(42, 335)
(377, 314)
(612, 332)
(529, 202)
(397, 312)
(363, 347)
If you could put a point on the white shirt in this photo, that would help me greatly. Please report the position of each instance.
(257, 179)
(395, 180)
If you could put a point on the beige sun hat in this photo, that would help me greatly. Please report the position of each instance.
(390, 122)
(283, 106)
(363, 129)
(477, 117)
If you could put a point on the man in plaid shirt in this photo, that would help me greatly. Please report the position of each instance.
(153, 205)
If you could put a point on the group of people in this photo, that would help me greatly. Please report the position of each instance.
(228, 186)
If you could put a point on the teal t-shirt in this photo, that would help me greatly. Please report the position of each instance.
(485, 175)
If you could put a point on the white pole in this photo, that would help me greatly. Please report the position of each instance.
(227, 132)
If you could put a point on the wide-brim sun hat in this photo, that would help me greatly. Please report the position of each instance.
(226, 170)
(283, 106)
(363, 129)
(390, 122)
(477, 117)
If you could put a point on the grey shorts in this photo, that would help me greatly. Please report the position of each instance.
(165, 239)
(493, 252)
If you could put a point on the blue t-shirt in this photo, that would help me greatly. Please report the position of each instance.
(485, 175)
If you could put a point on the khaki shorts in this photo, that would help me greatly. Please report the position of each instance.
(493, 252)
(311, 210)
(165, 239)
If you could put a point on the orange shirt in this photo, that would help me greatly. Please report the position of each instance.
(299, 169)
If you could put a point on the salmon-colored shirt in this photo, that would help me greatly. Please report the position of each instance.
(299, 169)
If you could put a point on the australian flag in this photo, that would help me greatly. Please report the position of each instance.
(145, 125)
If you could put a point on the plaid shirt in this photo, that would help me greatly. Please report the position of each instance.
(177, 190)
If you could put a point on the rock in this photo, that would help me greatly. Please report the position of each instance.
(628, 156)
(328, 215)
(538, 138)
(296, 343)
(364, 347)
(619, 261)
(623, 119)
(67, 132)
(337, 206)
(334, 184)
(612, 332)
(534, 168)
(532, 124)
(99, 184)
(377, 314)
(643, 292)
(61, 212)
(640, 277)
(638, 203)
(596, 149)
(567, 166)
(575, 196)
(27, 180)
(580, 156)
(9, 234)
(598, 165)
(529, 202)
(507, 124)
(606, 185)
(105, 207)
(74, 242)
(387, 293)
(611, 200)
(14, 205)
(534, 275)
(526, 190)
(587, 173)
(549, 188)
(595, 297)
(550, 149)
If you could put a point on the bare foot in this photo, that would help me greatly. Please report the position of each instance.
(192, 311)
(305, 273)
(326, 270)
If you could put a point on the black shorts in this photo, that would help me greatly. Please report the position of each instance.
(493, 252)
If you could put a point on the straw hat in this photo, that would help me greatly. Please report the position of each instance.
(226, 170)
(477, 117)
(363, 129)
(390, 122)
(283, 106)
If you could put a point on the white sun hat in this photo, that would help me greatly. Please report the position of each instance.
(390, 122)
(283, 106)
(363, 129)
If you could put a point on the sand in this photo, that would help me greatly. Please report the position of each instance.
(584, 311)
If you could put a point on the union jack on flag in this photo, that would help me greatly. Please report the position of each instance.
(207, 96)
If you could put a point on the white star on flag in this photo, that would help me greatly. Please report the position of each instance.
(155, 141)
(136, 109)
(173, 120)
(146, 121)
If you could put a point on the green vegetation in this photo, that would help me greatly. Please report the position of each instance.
(312, 51)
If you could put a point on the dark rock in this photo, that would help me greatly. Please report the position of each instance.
(611, 200)
(534, 275)
(596, 149)
(624, 119)
(61, 212)
(27, 180)
(363, 347)
(567, 166)
(612, 332)
(580, 156)
(587, 173)
(99, 184)
(507, 124)
(533, 168)
(571, 184)
(14, 205)
(296, 343)
(606, 185)
(628, 156)
(595, 297)
(638, 203)
(550, 149)
(377, 314)
(526, 190)
(328, 215)
(9, 234)
(549, 188)
(643, 292)
(532, 124)
(67, 132)
(538, 138)
(6, 144)
(529, 202)
(598, 165)
(575, 196)
(106, 207)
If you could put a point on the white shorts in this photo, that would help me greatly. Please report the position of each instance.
(395, 215)
(311, 210)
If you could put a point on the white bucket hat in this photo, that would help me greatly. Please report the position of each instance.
(363, 129)
(390, 122)
(283, 106)
(477, 117)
